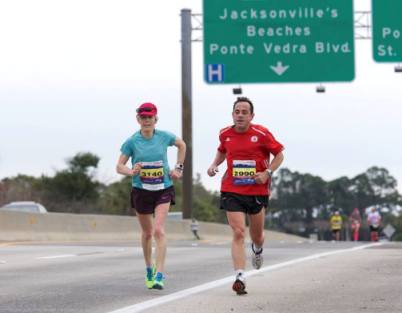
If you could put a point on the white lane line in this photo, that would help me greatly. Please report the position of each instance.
(82, 254)
(139, 307)
(57, 256)
(2, 262)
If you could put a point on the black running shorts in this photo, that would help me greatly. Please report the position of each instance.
(233, 202)
(374, 228)
(145, 201)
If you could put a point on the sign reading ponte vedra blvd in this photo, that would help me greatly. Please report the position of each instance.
(257, 41)
(387, 30)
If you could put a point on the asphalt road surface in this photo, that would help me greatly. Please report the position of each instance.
(109, 277)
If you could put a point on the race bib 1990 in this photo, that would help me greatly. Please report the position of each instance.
(243, 172)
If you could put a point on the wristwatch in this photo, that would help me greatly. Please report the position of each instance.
(179, 167)
(270, 172)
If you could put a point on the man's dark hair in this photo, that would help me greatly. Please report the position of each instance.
(244, 99)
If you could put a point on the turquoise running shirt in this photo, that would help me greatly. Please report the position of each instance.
(152, 153)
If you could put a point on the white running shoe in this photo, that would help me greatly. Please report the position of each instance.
(239, 286)
(257, 259)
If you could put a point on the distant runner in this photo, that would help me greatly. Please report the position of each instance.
(336, 226)
(374, 222)
(355, 221)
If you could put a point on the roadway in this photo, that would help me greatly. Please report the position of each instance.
(109, 277)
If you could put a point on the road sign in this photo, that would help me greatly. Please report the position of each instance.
(387, 30)
(256, 41)
(389, 230)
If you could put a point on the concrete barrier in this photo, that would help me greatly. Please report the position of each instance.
(19, 226)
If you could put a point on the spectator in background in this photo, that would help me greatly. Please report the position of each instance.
(194, 228)
(336, 226)
(374, 223)
(355, 221)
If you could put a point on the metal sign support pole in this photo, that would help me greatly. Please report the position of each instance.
(187, 123)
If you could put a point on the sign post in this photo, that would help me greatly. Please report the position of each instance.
(257, 41)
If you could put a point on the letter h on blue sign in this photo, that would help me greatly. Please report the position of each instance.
(215, 73)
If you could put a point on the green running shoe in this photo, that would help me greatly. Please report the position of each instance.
(150, 277)
(158, 282)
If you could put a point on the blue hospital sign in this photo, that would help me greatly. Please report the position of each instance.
(215, 73)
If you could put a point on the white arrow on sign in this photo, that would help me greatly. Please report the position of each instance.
(279, 68)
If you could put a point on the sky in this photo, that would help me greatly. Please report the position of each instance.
(73, 72)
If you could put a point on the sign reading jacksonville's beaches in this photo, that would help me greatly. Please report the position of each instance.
(257, 41)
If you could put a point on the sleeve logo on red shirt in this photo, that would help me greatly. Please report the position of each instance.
(254, 138)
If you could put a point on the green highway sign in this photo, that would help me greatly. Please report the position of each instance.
(387, 29)
(258, 41)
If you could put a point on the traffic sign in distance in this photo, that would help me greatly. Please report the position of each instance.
(387, 29)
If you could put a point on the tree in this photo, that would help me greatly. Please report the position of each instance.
(73, 189)
(374, 187)
(340, 196)
(115, 198)
(206, 204)
(296, 195)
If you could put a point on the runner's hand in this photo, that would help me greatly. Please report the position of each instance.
(212, 170)
(261, 177)
(136, 169)
(176, 174)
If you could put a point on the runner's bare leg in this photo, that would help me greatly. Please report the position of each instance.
(161, 212)
(145, 221)
(237, 222)
(257, 227)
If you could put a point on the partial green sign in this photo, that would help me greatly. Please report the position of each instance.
(387, 29)
(257, 41)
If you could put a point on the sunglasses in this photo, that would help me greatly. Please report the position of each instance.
(145, 110)
(144, 117)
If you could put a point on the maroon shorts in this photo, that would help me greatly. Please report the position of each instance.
(145, 201)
